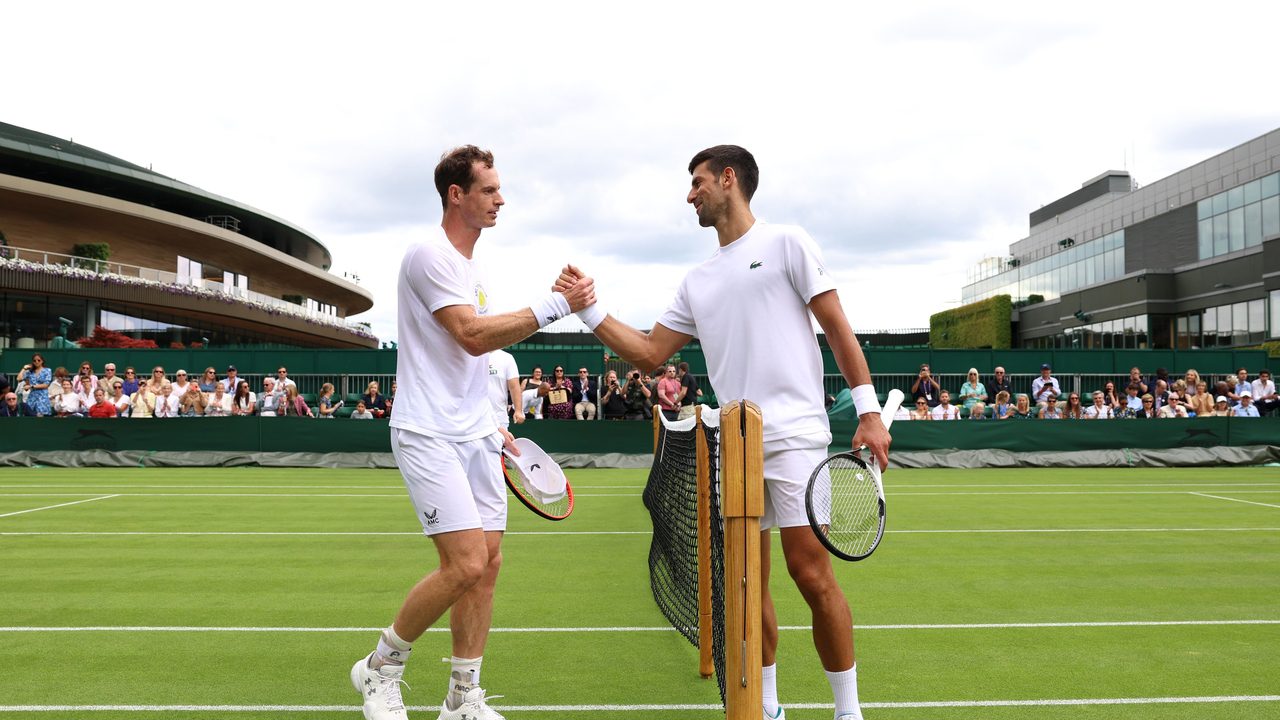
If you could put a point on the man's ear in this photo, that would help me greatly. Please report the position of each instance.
(728, 178)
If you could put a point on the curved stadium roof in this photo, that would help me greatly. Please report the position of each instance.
(37, 156)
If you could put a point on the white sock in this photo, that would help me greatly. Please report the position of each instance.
(844, 685)
(463, 676)
(770, 688)
(392, 650)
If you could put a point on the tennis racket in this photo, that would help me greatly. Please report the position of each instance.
(537, 481)
(845, 498)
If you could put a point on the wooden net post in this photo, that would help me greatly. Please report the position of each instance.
(706, 666)
(742, 497)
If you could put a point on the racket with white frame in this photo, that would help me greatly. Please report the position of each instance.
(537, 481)
(845, 498)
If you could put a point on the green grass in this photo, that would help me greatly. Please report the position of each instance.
(1057, 546)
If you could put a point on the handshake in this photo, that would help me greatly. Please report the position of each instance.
(579, 291)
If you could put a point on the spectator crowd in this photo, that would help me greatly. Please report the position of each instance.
(1139, 397)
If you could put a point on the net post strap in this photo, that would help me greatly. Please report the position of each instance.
(742, 473)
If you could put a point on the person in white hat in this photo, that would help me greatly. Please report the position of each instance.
(1246, 407)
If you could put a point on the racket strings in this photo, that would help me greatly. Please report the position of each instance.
(848, 506)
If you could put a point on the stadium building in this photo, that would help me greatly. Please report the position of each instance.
(1189, 261)
(87, 239)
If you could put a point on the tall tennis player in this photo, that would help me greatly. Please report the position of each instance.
(750, 306)
(446, 441)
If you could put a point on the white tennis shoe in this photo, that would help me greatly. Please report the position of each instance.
(473, 707)
(782, 714)
(380, 689)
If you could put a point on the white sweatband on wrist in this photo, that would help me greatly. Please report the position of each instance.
(865, 400)
(592, 316)
(550, 309)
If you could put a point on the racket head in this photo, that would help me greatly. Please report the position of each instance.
(537, 481)
(845, 504)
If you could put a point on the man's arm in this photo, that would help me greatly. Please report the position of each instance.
(482, 334)
(643, 350)
(513, 387)
(853, 365)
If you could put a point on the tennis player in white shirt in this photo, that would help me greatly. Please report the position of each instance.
(754, 297)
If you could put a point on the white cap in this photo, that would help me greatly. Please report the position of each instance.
(543, 477)
(1246, 393)
(1221, 399)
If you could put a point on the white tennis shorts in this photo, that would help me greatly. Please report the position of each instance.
(788, 462)
(453, 485)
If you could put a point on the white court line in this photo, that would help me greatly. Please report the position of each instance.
(1247, 502)
(625, 495)
(50, 507)
(654, 708)
(308, 533)
(621, 629)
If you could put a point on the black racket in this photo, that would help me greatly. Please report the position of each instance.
(537, 481)
(845, 499)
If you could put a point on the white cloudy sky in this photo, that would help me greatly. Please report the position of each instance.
(910, 139)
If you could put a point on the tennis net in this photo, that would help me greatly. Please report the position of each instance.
(671, 496)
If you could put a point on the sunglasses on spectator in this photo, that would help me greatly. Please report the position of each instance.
(158, 371)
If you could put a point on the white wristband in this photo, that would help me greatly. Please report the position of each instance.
(864, 399)
(550, 309)
(592, 316)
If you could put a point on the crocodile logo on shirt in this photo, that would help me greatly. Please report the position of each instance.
(756, 264)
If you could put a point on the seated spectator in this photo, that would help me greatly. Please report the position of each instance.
(293, 404)
(1221, 407)
(325, 403)
(181, 384)
(1045, 386)
(167, 404)
(1265, 398)
(85, 382)
(1238, 388)
(1180, 395)
(613, 403)
(1022, 408)
(1111, 398)
(391, 399)
(978, 411)
(374, 402)
(1246, 407)
(245, 401)
(69, 402)
(101, 407)
(157, 381)
(231, 382)
(108, 377)
(119, 399)
(269, 400)
(282, 380)
(1148, 410)
(1160, 396)
(1073, 410)
(999, 383)
(1133, 399)
(208, 380)
(217, 403)
(972, 391)
(1202, 401)
(130, 381)
(583, 395)
(12, 407)
(1192, 379)
(1003, 409)
(530, 400)
(57, 387)
(1050, 410)
(142, 404)
(191, 402)
(1173, 410)
(361, 413)
(1099, 410)
(945, 410)
(922, 410)
(1162, 374)
(5, 386)
(926, 387)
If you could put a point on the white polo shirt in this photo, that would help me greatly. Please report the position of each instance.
(749, 305)
(442, 389)
(502, 367)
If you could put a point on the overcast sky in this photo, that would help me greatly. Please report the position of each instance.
(910, 139)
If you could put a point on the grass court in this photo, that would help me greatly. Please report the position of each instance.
(997, 594)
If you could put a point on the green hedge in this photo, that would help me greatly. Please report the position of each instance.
(983, 324)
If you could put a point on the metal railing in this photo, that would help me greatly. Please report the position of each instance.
(108, 267)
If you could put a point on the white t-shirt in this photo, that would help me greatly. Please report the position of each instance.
(1093, 412)
(443, 390)
(502, 367)
(749, 305)
(950, 412)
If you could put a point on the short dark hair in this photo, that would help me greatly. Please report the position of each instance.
(722, 156)
(455, 168)
(683, 367)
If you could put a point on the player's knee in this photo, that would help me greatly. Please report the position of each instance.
(468, 569)
(811, 578)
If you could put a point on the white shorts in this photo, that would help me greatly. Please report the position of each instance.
(453, 485)
(788, 462)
